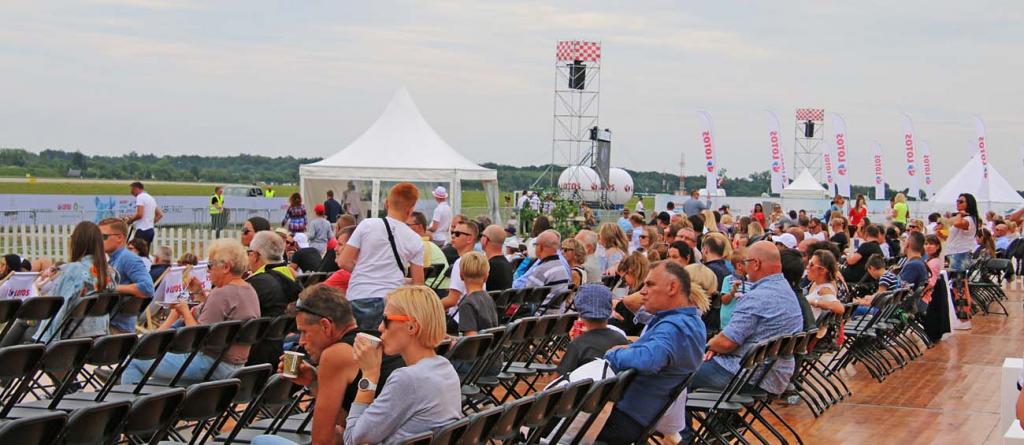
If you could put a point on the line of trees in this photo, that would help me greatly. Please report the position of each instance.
(285, 170)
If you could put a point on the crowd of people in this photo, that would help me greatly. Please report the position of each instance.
(686, 292)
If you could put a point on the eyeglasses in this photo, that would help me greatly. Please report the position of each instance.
(251, 251)
(302, 308)
(643, 236)
(107, 236)
(960, 201)
(389, 318)
(456, 233)
(246, 231)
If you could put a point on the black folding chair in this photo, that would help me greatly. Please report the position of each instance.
(469, 355)
(187, 340)
(97, 424)
(41, 429)
(613, 394)
(18, 365)
(480, 426)
(450, 433)
(152, 413)
(204, 405)
(250, 332)
(563, 410)
(39, 310)
(276, 395)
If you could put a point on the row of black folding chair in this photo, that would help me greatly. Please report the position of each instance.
(818, 387)
(525, 358)
(986, 285)
(39, 310)
(863, 344)
(148, 419)
(513, 304)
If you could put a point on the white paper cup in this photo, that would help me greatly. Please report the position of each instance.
(369, 339)
(292, 360)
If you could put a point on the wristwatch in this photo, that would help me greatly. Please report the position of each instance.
(366, 385)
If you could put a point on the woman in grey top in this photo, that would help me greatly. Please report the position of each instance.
(423, 396)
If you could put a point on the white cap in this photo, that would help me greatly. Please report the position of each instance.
(440, 192)
(786, 239)
(301, 240)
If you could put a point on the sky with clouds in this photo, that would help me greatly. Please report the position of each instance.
(306, 78)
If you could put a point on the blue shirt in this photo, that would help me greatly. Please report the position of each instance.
(624, 224)
(1003, 242)
(130, 270)
(914, 273)
(665, 355)
(769, 309)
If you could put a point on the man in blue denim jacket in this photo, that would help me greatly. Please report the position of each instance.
(669, 351)
(132, 275)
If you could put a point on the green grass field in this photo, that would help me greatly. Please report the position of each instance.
(470, 198)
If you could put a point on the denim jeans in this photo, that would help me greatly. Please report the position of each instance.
(369, 313)
(958, 261)
(169, 366)
(267, 439)
(711, 375)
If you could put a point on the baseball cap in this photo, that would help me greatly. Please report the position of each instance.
(319, 209)
(302, 240)
(440, 192)
(786, 239)
(593, 302)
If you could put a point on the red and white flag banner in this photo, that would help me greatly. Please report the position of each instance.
(910, 155)
(926, 166)
(778, 165)
(841, 163)
(827, 157)
(879, 173)
(707, 140)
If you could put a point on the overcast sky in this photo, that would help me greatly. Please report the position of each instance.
(306, 78)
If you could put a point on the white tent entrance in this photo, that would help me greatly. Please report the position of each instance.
(399, 147)
(993, 193)
(804, 187)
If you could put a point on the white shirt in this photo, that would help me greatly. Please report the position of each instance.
(820, 236)
(148, 205)
(376, 273)
(639, 206)
(522, 200)
(961, 241)
(443, 218)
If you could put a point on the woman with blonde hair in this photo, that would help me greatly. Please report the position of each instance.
(422, 396)
(575, 254)
(615, 244)
(900, 210)
(754, 230)
(633, 271)
(710, 222)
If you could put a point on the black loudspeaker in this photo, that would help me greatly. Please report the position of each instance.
(809, 129)
(577, 75)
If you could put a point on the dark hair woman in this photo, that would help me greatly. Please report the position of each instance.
(86, 273)
(964, 227)
(295, 216)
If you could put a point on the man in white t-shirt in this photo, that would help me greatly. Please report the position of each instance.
(814, 230)
(376, 271)
(442, 217)
(147, 213)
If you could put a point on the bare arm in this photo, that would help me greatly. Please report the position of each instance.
(853, 258)
(416, 272)
(961, 223)
(347, 260)
(720, 344)
(137, 216)
(337, 370)
(159, 215)
(452, 299)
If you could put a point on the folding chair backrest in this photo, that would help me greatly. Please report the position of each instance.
(111, 349)
(9, 310)
(152, 413)
(574, 395)
(274, 397)
(251, 380)
(153, 345)
(18, 365)
(507, 426)
(480, 425)
(252, 331)
(132, 306)
(625, 380)
(105, 304)
(188, 338)
(222, 335)
(100, 423)
(540, 410)
(207, 400)
(279, 328)
(40, 308)
(469, 347)
(556, 301)
(73, 317)
(419, 439)
(537, 295)
(451, 432)
(673, 394)
(42, 429)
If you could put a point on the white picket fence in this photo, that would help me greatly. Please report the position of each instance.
(35, 241)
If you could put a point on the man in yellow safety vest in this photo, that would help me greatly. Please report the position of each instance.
(270, 192)
(218, 215)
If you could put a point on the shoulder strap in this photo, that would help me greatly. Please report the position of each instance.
(394, 249)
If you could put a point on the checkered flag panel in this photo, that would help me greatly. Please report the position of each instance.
(570, 50)
(810, 114)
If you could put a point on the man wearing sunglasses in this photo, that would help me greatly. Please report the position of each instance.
(463, 239)
(133, 276)
(327, 331)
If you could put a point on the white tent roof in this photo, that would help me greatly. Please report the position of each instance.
(970, 179)
(805, 186)
(399, 146)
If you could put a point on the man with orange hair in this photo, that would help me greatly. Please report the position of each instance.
(380, 253)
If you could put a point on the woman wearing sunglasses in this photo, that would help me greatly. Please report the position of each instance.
(420, 397)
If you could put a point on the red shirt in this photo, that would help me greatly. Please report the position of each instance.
(857, 215)
(339, 279)
(759, 216)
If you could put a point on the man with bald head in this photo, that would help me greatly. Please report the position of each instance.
(547, 268)
(500, 276)
(1001, 234)
(768, 309)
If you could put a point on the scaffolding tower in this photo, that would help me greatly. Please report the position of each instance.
(809, 134)
(576, 102)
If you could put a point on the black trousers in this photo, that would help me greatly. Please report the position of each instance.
(620, 428)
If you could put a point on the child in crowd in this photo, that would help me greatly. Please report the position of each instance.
(476, 310)
(734, 286)
(594, 304)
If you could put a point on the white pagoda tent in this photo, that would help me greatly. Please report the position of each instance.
(804, 187)
(400, 146)
(992, 193)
